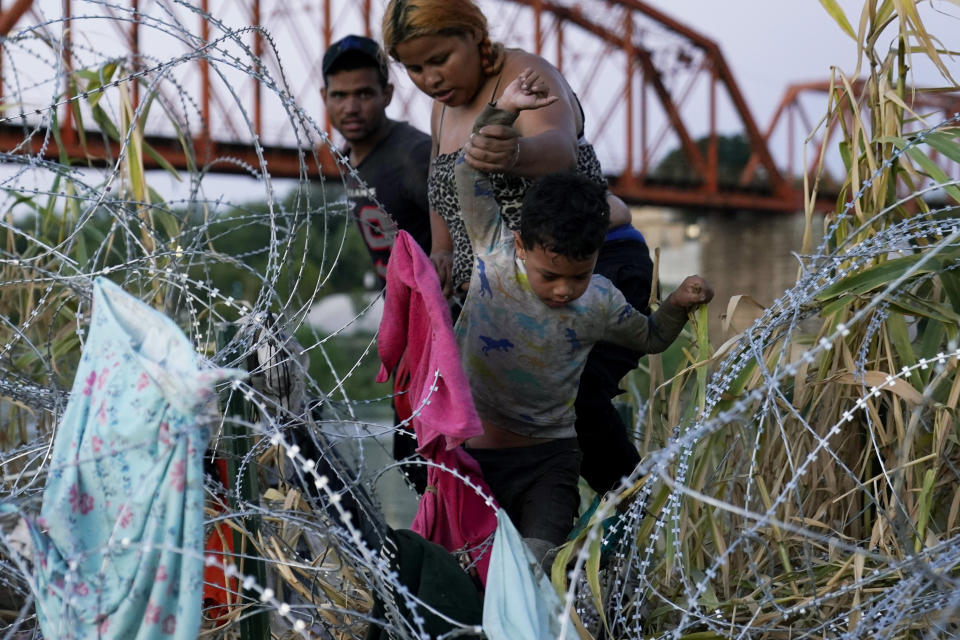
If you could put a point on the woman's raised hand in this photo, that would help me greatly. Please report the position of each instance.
(495, 148)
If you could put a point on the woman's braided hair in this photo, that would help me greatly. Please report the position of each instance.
(407, 19)
(491, 56)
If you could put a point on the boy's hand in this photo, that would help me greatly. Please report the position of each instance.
(693, 291)
(496, 148)
(527, 91)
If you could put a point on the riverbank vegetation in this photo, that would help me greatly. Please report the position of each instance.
(809, 484)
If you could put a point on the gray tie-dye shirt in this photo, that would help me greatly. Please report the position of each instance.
(523, 358)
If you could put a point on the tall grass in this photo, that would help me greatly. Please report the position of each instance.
(810, 487)
(57, 234)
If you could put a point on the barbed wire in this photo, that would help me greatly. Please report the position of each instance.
(310, 512)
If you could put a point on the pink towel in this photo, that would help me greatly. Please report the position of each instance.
(456, 517)
(416, 320)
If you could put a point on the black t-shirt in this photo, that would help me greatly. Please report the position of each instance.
(626, 263)
(395, 173)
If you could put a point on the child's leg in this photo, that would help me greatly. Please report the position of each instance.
(552, 501)
(537, 487)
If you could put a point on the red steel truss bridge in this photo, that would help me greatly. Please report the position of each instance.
(650, 86)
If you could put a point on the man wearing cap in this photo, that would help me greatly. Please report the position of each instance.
(392, 159)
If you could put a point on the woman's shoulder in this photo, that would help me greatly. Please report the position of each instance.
(516, 60)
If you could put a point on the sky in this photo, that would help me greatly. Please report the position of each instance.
(770, 44)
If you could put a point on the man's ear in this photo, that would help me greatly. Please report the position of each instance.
(518, 246)
(323, 94)
(387, 94)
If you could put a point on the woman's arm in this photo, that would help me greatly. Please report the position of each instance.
(441, 252)
(541, 141)
(619, 211)
(441, 244)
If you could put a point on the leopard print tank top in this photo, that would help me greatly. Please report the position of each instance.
(508, 191)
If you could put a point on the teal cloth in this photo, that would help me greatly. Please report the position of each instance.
(614, 527)
(520, 601)
(122, 551)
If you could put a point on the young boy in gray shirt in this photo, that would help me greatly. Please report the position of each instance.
(533, 311)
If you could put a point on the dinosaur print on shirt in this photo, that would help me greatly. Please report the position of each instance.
(492, 344)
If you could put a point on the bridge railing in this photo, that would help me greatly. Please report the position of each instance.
(237, 84)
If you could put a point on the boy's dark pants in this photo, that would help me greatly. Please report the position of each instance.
(608, 452)
(536, 486)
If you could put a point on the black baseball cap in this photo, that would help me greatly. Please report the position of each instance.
(359, 44)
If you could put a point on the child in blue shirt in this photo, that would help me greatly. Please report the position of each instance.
(533, 312)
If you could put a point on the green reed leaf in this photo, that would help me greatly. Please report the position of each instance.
(884, 273)
(924, 502)
(933, 170)
(839, 17)
(946, 143)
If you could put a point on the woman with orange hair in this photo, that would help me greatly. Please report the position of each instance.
(445, 47)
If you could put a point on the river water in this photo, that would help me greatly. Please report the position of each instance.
(749, 253)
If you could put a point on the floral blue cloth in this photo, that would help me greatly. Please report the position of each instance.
(122, 551)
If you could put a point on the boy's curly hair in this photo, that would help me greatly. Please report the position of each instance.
(566, 213)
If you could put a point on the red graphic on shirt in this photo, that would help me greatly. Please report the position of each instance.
(378, 230)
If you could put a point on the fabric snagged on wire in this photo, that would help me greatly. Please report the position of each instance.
(119, 545)
(519, 601)
(416, 324)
